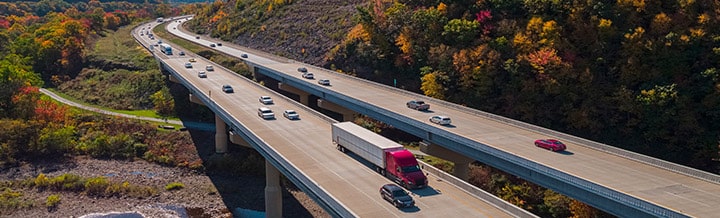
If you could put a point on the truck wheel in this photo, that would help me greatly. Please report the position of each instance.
(341, 148)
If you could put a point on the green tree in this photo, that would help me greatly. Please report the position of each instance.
(461, 32)
(163, 101)
(56, 140)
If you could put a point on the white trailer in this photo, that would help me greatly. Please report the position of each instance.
(363, 142)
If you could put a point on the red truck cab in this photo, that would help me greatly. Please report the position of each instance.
(403, 168)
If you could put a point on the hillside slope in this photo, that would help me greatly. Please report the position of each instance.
(303, 30)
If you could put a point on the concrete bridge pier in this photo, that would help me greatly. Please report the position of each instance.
(196, 100)
(461, 162)
(236, 139)
(348, 115)
(173, 79)
(220, 135)
(273, 195)
(304, 96)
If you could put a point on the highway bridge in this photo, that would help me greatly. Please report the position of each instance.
(620, 182)
(303, 151)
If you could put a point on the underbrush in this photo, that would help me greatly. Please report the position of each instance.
(95, 186)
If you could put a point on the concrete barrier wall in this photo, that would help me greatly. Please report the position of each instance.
(475, 191)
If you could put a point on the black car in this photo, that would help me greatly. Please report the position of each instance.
(227, 89)
(396, 195)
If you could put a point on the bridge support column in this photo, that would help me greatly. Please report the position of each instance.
(304, 96)
(348, 115)
(196, 100)
(173, 79)
(273, 195)
(220, 135)
(461, 162)
(235, 138)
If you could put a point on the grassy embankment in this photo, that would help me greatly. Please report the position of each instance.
(120, 76)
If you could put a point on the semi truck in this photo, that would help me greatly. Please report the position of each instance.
(389, 158)
(165, 48)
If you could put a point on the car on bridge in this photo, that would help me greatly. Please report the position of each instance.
(192, 60)
(212, 45)
(417, 105)
(550, 144)
(227, 89)
(308, 75)
(266, 113)
(396, 196)
(439, 119)
(202, 74)
(302, 69)
(265, 99)
(197, 37)
(188, 65)
(209, 68)
(291, 115)
(325, 82)
(243, 55)
(182, 53)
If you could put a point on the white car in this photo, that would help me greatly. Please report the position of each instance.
(202, 74)
(265, 99)
(291, 115)
(188, 65)
(308, 76)
(442, 120)
(209, 68)
(325, 82)
(266, 113)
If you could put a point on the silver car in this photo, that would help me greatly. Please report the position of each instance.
(291, 115)
(325, 82)
(442, 120)
(265, 99)
(266, 113)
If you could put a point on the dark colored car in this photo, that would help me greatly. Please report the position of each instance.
(243, 56)
(396, 196)
(302, 69)
(550, 144)
(227, 89)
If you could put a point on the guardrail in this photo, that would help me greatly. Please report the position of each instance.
(329, 202)
(475, 191)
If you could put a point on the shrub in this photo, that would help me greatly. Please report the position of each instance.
(96, 186)
(10, 199)
(174, 186)
(41, 181)
(52, 201)
(67, 182)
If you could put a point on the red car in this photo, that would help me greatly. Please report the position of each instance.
(550, 144)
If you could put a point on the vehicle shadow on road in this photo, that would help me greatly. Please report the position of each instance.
(425, 192)
(565, 152)
(413, 209)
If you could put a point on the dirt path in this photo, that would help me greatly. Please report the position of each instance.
(190, 125)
